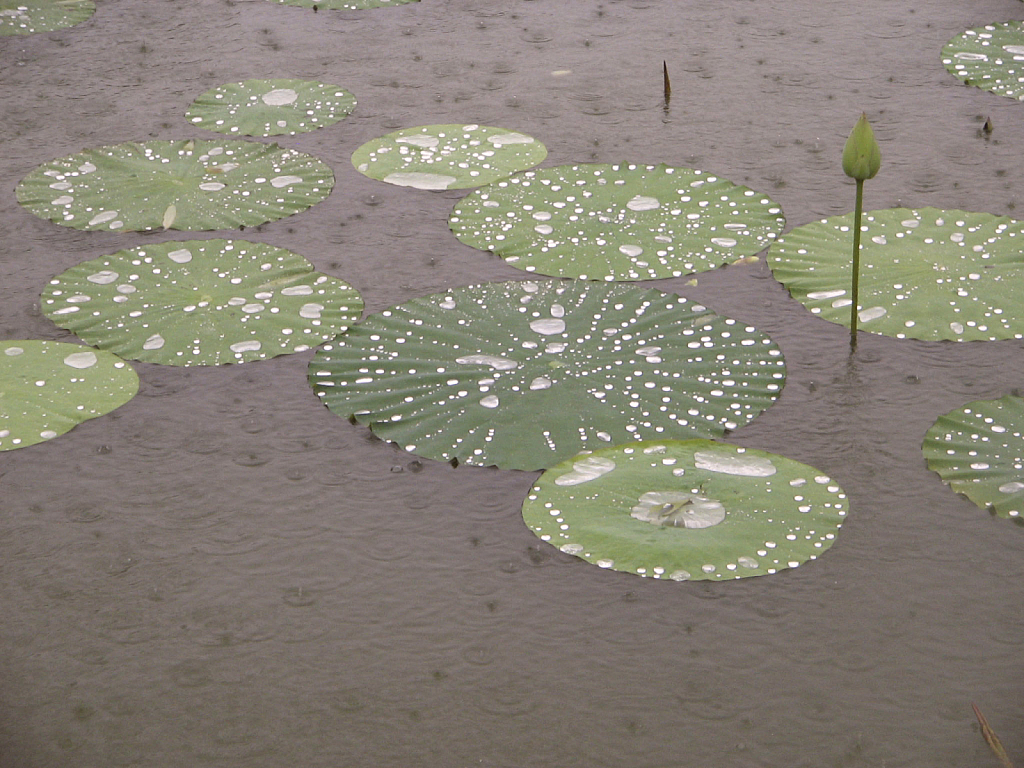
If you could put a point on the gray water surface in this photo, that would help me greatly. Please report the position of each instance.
(224, 573)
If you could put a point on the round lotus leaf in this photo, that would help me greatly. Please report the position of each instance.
(201, 302)
(524, 374)
(686, 510)
(188, 185)
(924, 274)
(978, 450)
(344, 5)
(447, 156)
(270, 107)
(990, 57)
(47, 387)
(24, 17)
(617, 222)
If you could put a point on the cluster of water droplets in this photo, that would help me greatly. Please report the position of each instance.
(991, 57)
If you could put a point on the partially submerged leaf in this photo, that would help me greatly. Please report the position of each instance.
(991, 739)
(447, 156)
(185, 185)
(270, 107)
(524, 374)
(47, 387)
(687, 510)
(25, 17)
(202, 302)
(925, 274)
(978, 450)
(989, 57)
(617, 222)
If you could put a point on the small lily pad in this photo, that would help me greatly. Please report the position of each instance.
(524, 374)
(187, 185)
(447, 156)
(201, 302)
(344, 5)
(617, 222)
(687, 510)
(978, 450)
(270, 107)
(925, 274)
(989, 57)
(47, 387)
(25, 17)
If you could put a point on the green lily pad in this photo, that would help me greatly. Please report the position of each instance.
(524, 374)
(47, 388)
(617, 222)
(201, 302)
(978, 450)
(687, 510)
(344, 5)
(187, 185)
(989, 57)
(270, 107)
(25, 17)
(447, 156)
(925, 274)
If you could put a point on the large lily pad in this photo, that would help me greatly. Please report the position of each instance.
(25, 17)
(47, 387)
(202, 302)
(617, 222)
(691, 509)
(989, 57)
(925, 274)
(524, 374)
(978, 450)
(188, 185)
(447, 156)
(270, 107)
(344, 5)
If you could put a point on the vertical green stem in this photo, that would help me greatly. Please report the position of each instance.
(855, 287)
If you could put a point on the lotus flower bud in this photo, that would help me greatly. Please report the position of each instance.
(861, 156)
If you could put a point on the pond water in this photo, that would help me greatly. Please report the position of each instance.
(222, 572)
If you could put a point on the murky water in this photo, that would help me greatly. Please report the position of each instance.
(222, 572)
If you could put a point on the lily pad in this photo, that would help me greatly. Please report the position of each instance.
(617, 222)
(978, 450)
(524, 374)
(270, 107)
(925, 274)
(187, 185)
(989, 57)
(687, 510)
(25, 17)
(47, 388)
(447, 156)
(201, 302)
(344, 5)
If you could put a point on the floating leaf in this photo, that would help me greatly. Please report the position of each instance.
(344, 5)
(201, 302)
(690, 509)
(270, 107)
(990, 57)
(47, 387)
(925, 274)
(191, 185)
(525, 374)
(24, 17)
(978, 450)
(447, 156)
(617, 222)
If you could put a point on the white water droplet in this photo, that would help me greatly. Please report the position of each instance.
(501, 139)
(423, 142)
(285, 181)
(491, 401)
(630, 250)
(297, 290)
(547, 326)
(541, 382)
(14, 351)
(747, 562)
(101, 218)
(212, 186)
(104, 277)
(586, 469)
(81, 359)
(245, 346)
(156, 341)
(872, 313)
(311, 311)
(435, 181)
(678, 509)
(494, 361)
(826, 294)
(1013, 487)
(279, 97)
(956, 328)
(643, 203)
(728, 464)
(180, 256)
(723, 242)
(557, 310)
(253, 308)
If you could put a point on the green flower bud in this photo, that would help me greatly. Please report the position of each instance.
(861, 156)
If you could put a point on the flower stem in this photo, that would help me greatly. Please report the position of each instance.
(855, 286)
